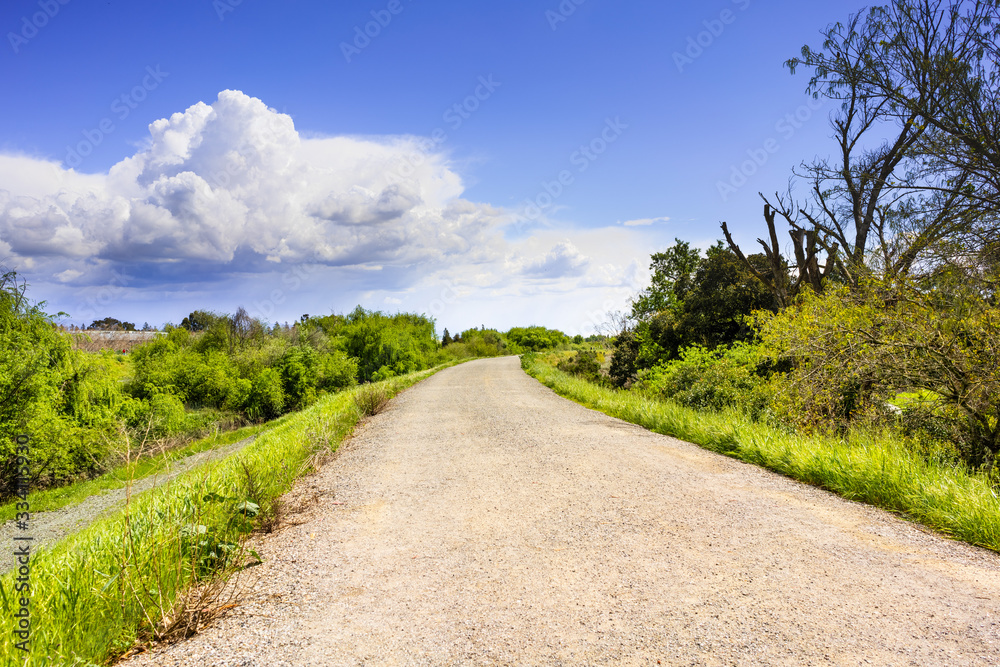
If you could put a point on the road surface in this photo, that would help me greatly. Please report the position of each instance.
(483, 520)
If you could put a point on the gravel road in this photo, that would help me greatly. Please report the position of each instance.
(483, 520)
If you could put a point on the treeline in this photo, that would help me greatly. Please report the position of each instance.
(879, 309)
(83, 410)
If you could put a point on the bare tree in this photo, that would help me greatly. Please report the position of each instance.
(243, 329)
(916, 175)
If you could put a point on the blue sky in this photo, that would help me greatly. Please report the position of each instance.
(395, 169)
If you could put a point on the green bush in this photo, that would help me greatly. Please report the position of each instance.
(337, 371)
(299, 368)
(212, 380)
(712, 379)
(167, 414)
(267, 396)
(584, 364)
(535, 339)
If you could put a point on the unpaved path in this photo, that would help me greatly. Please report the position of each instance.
(485, 520)
(48, 528)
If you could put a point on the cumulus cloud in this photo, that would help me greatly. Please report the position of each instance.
(644, 222)
(563, 261)
(234, 186)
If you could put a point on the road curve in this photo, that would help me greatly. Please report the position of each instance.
(483, 520)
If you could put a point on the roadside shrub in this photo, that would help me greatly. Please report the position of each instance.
(584, 364)
(371, 400)
(852, 352)
(528, 360)
(167, 414)
(299, 373)
(267, 396)
(623, 360)
(337, 371)
(712, 379)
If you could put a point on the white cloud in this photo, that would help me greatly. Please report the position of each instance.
(229, 204)
(233, 184)
(644, 222)
(563, 261)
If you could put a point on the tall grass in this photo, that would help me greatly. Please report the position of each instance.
(127, 577)
(869, 467)
(46, 500)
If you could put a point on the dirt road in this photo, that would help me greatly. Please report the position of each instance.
(485, 521)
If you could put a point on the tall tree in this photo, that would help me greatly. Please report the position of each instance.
(673, 272)
(916, 175)
(111, 324)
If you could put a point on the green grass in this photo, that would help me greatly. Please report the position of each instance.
(869, 467)
(45, 500)
(97, 592)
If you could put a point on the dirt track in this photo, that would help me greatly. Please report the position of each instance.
(484, 520)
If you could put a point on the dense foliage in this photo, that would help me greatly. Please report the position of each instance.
(885, 313)
(691, 301)
(66, 401)
(84, 409)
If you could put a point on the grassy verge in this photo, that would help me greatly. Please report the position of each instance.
(868, 467)
(46, 500)
(130, 576)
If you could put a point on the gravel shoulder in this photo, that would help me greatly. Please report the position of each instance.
(48, 528)
(483, 520)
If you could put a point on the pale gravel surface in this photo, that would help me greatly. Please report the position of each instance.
(487, 521)
(49, 528)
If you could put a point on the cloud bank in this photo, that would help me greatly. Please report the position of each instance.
(228, 202)
(233, 184)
